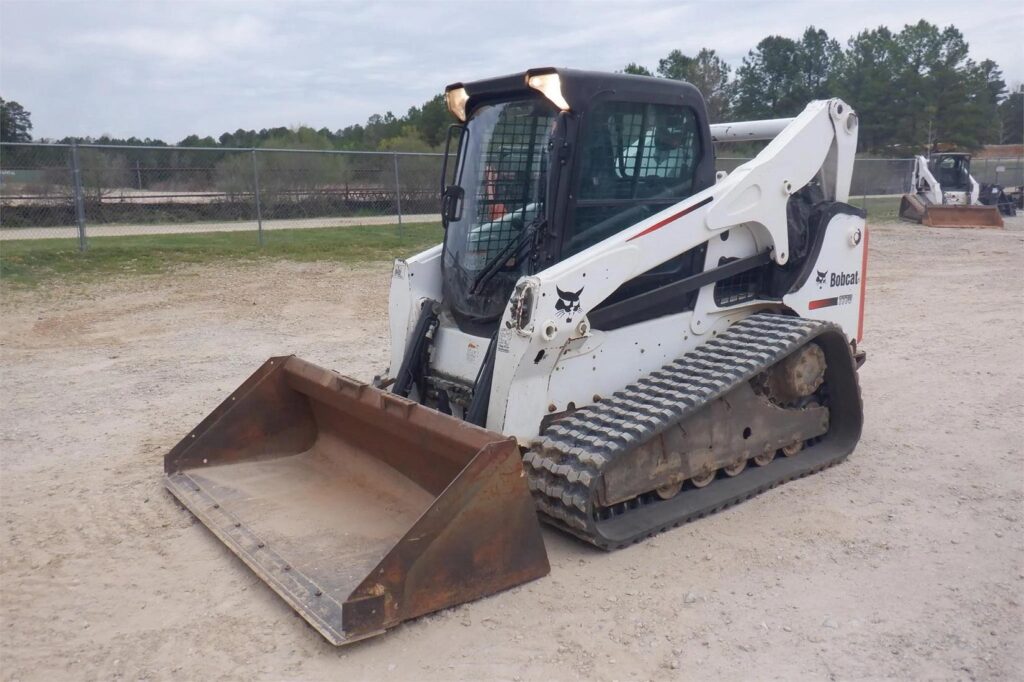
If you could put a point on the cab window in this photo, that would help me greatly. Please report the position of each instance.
(637, 159)
(951, 173)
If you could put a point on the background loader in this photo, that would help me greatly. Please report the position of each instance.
(611, 339)
(945, 194)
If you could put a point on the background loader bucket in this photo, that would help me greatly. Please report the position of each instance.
(916, 210)
(361, 508)
(912, 208)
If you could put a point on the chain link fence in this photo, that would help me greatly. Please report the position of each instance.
(1008, 172)
(84, 191)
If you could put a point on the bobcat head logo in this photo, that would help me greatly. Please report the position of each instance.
(567, 303)
(821, 278)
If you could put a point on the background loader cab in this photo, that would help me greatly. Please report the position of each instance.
(953, 173)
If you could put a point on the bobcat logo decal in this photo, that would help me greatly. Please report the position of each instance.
(568, 303)
(822, 276)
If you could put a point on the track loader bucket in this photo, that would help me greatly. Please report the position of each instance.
(360, 508)
(914, 209)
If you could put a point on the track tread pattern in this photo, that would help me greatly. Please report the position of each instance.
(565, 464)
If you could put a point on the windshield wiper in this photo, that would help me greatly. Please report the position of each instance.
(495, 265)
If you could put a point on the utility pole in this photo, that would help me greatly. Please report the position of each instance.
(398, 192)
(259, 210)
(76, 182)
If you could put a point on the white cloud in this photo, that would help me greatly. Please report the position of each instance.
(167, 69)
(178, 44)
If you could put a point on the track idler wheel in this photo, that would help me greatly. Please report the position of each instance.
(797, 376)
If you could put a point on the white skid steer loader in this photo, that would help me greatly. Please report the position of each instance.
(945, 194)
(610, 335)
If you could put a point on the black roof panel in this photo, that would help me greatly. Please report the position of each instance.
(579, 87)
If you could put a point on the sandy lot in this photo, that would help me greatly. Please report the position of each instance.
(905, 562)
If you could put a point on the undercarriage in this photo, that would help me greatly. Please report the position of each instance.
(772, 399)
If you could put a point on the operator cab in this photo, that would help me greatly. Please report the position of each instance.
(952, 171)
(546, 163)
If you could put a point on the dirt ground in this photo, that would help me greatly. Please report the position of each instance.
(905, 562)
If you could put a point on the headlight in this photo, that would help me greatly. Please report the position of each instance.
(455, 96)
(549, 85)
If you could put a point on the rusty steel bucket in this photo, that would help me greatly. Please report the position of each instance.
(914, 209)
(360, 508)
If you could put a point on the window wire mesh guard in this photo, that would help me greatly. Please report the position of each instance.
(514, 170)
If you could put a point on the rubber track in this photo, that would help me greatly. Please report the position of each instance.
(564, 465)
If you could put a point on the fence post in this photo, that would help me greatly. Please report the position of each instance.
(863, 183)
(398, 192)
(76, 181)
(259, 210)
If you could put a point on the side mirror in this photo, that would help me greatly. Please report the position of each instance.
(452, 200)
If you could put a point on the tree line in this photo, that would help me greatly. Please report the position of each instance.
(421, 129)
(913, 89)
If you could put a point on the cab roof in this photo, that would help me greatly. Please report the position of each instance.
(580, 87)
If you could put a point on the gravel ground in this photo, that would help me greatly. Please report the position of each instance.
(905, 562)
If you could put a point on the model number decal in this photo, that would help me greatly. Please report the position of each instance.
(829, 302)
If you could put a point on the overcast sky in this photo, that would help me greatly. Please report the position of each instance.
(167, 69)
